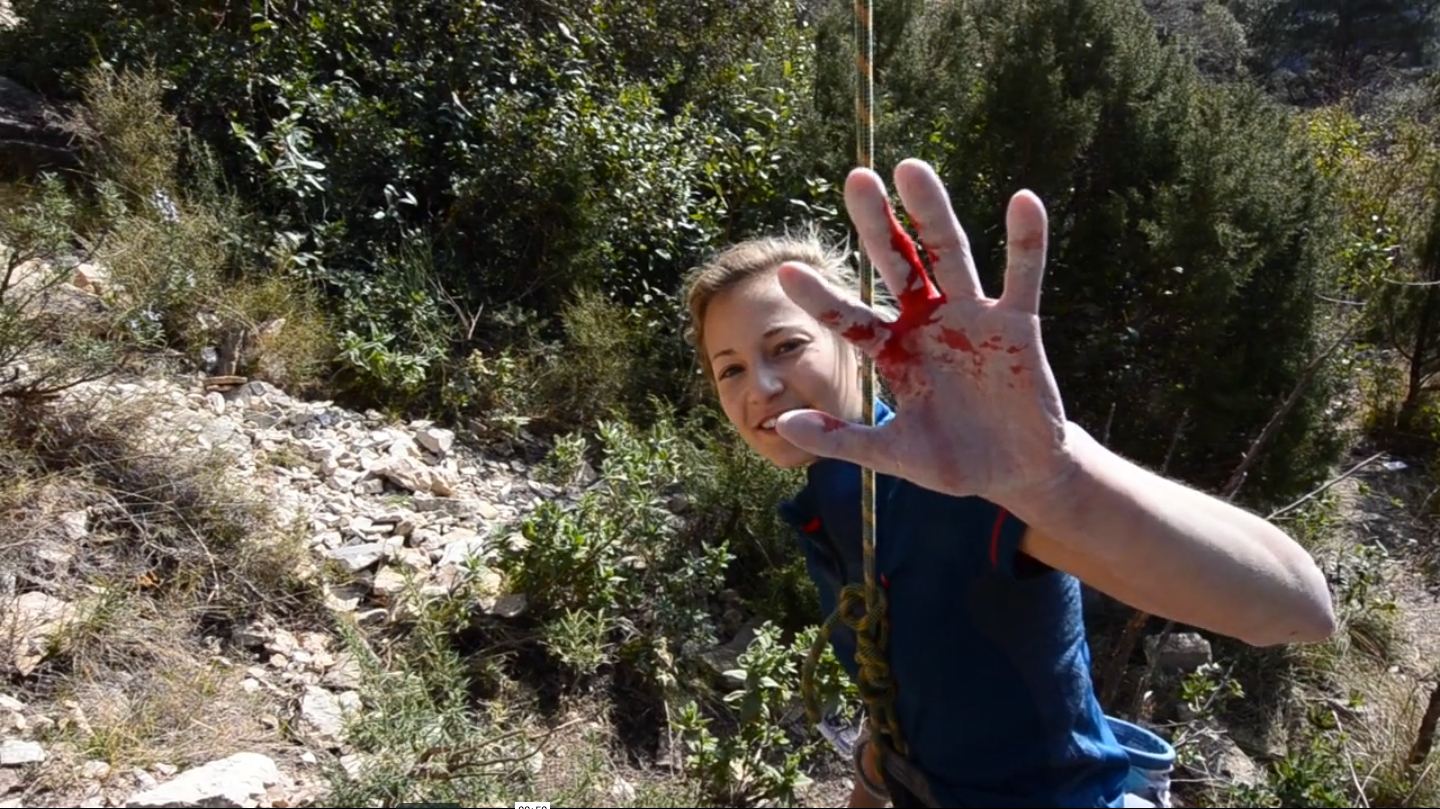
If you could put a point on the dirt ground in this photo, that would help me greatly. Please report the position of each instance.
(1378, 508)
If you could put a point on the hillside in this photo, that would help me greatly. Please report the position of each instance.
(356, 529)
(146, 665)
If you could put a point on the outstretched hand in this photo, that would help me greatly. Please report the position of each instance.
(978, 411)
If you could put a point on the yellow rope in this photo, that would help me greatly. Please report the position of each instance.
(862, 608)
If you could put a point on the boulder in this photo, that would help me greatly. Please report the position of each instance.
(33, 138)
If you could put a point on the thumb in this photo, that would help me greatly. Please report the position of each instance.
(824, 435)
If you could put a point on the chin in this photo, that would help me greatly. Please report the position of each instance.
(786, 456)
(793, 461)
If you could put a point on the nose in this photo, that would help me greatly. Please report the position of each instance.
(765, 382)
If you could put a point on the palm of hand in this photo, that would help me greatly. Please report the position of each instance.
(977, 407)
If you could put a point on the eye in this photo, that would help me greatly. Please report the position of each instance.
(725, 372)
(789, 345)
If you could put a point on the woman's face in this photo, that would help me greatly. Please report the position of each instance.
(769, 356)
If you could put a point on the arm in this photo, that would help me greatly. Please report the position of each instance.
(1174, 552)
(860, 797)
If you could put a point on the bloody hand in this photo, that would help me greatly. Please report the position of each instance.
(978, 411)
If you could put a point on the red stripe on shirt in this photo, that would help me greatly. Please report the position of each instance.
(995, 538)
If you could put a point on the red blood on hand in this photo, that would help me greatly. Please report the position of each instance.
(919, 301)
(898, 355)
(859, 333)
(920, 298)
(864, 333)
(958, 340)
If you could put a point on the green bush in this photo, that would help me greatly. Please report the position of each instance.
(44, 347)
(629, 577)
(617, 552)
(434, 164)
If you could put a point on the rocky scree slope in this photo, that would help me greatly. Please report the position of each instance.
(388, 503)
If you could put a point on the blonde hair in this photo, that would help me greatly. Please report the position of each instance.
(755, 257)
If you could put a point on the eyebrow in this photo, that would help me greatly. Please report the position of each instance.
(767, 335)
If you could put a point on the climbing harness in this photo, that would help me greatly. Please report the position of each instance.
(862, 608)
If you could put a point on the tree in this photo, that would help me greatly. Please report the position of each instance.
(1386, 166)
(1318, 51)
(1207, 30)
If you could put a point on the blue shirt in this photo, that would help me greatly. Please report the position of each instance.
(987, 645)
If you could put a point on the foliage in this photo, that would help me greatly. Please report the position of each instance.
(1313, 52)
(533, 202)
(1383, 169)
(740, 768)
(1207, 30)
(435, 165)
(621, 589)
(615, 552)
(39, 358)
(670, 521)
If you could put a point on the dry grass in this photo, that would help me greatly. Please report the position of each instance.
(584, 767)
(159, 552)
(171, 704)
(138, 142)
(289, 343)
(427, 735)
(164, 516)
(186, 268)
(1380, 734)
(1347, 711)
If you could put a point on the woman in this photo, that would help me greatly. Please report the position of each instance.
(991, 507)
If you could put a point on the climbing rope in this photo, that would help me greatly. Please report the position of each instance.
(862, 608)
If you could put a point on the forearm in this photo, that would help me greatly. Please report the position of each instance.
(866, 769)
(860, 798)
(1175, 552)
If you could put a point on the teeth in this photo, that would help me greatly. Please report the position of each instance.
(768, 424)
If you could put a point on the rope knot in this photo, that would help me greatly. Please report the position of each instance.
(862, 609)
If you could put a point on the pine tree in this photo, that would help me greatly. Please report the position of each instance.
(1318, 51)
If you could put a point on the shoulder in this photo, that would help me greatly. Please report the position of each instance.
(987, 527)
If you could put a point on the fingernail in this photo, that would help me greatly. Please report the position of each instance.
(824, 421)
(809, 421)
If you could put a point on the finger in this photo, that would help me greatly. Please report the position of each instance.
(1026, 234)
(886, 242)
(828, 437)
(843, 313)
(945, 241)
